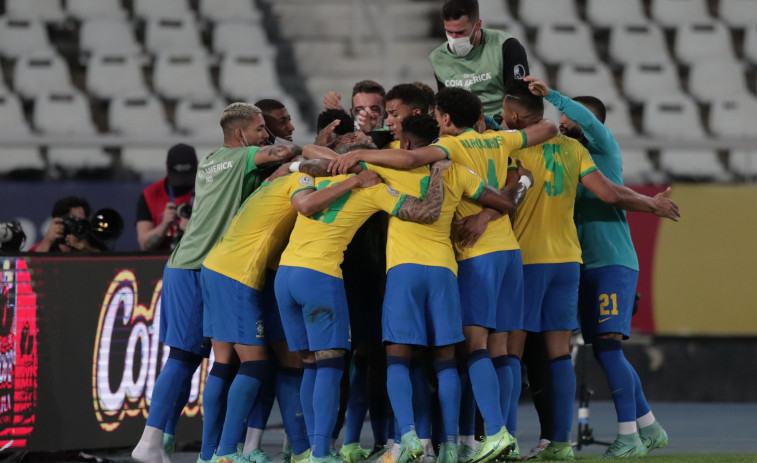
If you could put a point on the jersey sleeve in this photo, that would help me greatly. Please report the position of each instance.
(251, 166)
(471, 184)
(298, 182)
(449, 146)
(585, 162)
(513, 139)
(594, 130)
(386, 198)
(514, 60)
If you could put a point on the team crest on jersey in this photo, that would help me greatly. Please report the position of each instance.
(306, 180)
(392, 191)
(519, 71)
(259, 327)
(435, 141)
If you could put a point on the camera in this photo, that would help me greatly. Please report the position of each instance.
(12, 236)
(184, 210)
(75, 226)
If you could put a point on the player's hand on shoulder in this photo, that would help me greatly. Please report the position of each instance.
(367, 178)
(469, 229)
(523, 171)
(343, 163)
(537, 86)
(442, 164)
(666, 207)
(332, 100)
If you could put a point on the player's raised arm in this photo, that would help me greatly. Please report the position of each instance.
(428, 209)
(309, 201)
(318, 152)
(540, 132)
(394, 158)
(276, 154)
(625, 198)
(318, 168)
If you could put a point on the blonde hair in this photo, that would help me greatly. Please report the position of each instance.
(238, 112)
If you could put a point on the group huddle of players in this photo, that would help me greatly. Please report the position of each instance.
(475, 226)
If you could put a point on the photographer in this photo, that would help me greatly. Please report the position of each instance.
(67, 232)
(164, 208)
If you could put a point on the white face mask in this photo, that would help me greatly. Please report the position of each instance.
(463, 45)
(244, 139)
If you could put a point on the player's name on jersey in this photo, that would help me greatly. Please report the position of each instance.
(483, 143)
(468, 80)
(208, 170)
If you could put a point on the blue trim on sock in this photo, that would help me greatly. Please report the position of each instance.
(289, 371)
(334, 362)
(477, 355)
(392, 360)
(184, 356)
(560, 359)
(308, 365)
(500, 361)
(225, 371)
(604, 345)
(257, 369)
(441, 365)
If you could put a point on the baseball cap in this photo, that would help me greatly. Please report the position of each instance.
(181, 164)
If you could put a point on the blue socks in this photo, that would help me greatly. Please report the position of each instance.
(242, 394)
(306, 398)
(485, 384)
(400, 391)
(467, 422)
(421, 396)
(176, 373)
(609, 354)
(180, 404)
(288, 383)
(326, 403)
(358, 402)
(563, 396)
(501, 366)
(449, 397)
(261, 409)
(214, 403)
(642, 407)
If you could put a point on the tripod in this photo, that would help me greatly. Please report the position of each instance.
(585, 432)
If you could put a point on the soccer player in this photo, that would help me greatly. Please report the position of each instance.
(233, 276)
(551, 252)
(609, 273)
(367, 108)
(278, 122)
(311, 297)
(224, 179)
(457, 111)
(403, 100)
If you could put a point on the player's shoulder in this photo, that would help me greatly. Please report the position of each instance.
(495, 36)
(439, 51)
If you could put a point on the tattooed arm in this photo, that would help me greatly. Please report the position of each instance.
(269, 155)
(319, 168)
(428, 209)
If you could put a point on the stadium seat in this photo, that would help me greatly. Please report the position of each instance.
(618, 118)
(199, 117)
(713, 81)
(22, 37)
(642, 81)
(139, 115)
(734, 118)
(172, 34)
(181, 75)
(536, 68)
(587, 79)
(627, 39)
(637, 168)
(692, 165)
(672, 13)
(229, 10)
(42, 10)
(743, 163)
(608, 13)
(700, 42)
(110, 36)
(75, 159)
(41, 73)
(85, 10)
(513, 28)
(494, 12)
(750, 44)
(63, 113)
(738, 13)
(565, 43)
(232, 36)
(149, 163)
(151, 9)
(110, 75)
(12, 120)
(672, 118)
(539, 12)
(551, 113)
(244, 74)
(15, 158)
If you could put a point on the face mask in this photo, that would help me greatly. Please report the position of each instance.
(463, 45)
(245, 139)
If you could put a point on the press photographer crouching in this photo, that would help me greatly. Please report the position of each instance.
(72, 231)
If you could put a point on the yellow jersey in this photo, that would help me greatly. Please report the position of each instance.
(392, 145)
(426, 244)
(544, 221)
(258, 232)
(318, 242)
(488, 155)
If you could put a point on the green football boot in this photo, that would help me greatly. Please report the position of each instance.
(447, 453)
(304, 457)
(169, 443)
(653, 436)
(494, 446)
(558, 451)
(625, 446)
(464, 453)
(412, 448)
(258, 456)
(353, 453)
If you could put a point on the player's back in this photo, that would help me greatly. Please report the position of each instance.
(544, 223)
(259, 231)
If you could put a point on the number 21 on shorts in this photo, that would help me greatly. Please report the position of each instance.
(604, 302)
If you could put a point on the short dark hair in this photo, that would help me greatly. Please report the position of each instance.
(595, 105)
(456, 9)
(422, 127)
(368, 86)
(464, 107)
(517, 90)
(267, 105)
(428, 93)
(63, 206)
(330, 115)
(410, 95)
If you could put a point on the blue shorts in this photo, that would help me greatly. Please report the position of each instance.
(605, 301)
(313, 308)
(181, 311)
(421, 306)
(271, 318)
(232, 310)
(551, 296)
(491, 290)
